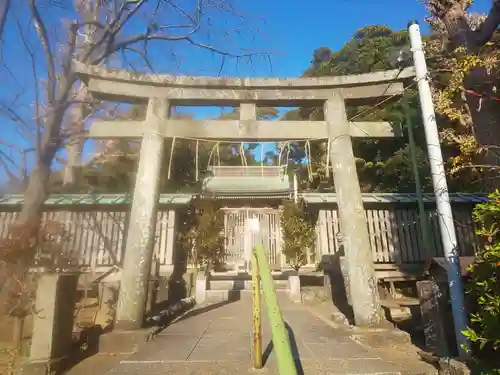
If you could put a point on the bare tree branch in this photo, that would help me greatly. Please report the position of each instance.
(453, 13)
(470, 33)
(38, 123)
(146, 37)
(49, 56)
(488, 27)
(4, 12)
(99, 31)
(115, 27)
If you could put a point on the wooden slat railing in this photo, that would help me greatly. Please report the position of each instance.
(395, 234)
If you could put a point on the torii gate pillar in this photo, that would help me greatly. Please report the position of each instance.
(140, 234)
(355, 236)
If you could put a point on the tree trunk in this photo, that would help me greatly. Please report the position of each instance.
(24, 237)
(35, 194)
(485, 116)
(37, 190)
(484, 112)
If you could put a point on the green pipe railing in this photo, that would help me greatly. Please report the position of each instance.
(281, 341)
(424, 221)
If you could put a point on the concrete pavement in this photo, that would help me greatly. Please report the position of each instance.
(218, 341)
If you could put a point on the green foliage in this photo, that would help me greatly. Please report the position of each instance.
(484, 288)
(299, 234)
(370, 49)
(383, 163)
(397, 167)
(202, 237)
(262, 113)
(321, 56)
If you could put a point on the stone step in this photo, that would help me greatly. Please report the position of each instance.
(241, 284)
(400, 302)
(401, 307)
(87, 303)
(219, 296)
(235, 275)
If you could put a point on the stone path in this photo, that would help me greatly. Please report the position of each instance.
(218, 341)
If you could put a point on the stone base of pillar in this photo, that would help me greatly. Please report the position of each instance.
(53, 325)
(201, 288)
(434, 313)
(109, 298)
(294, 292)
(190, 283)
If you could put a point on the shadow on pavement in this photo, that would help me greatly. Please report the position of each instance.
(294, 347)
(233, 297)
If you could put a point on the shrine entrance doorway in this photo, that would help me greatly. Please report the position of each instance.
(239, 241)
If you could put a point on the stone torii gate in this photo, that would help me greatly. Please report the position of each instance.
(160, 92)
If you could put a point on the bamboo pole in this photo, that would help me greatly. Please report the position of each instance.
(256, 318)
(281, 341)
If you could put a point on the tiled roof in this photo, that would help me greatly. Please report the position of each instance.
(185, 198)
(396, 198)
(94, 199)
(247, 185)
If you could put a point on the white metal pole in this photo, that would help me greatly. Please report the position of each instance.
(443, 207)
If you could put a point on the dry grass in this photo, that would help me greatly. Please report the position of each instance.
(9, 356)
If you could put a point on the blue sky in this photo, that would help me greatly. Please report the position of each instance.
(288, 30)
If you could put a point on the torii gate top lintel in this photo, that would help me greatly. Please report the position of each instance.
(123, 85)
(246, 82)
(130, 86)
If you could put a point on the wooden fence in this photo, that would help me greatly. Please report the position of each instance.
(96, 235)
(96, 238)
(395, 234)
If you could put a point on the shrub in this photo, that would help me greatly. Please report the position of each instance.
(484, 286)
(202, 236)
(299, 232)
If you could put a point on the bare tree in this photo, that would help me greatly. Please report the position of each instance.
(98, 31)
